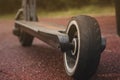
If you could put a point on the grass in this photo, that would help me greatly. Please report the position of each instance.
(88, 10)
(7, 16)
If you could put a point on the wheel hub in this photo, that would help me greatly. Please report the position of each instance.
(75, 45)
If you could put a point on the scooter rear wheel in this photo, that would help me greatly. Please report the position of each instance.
(84, 33)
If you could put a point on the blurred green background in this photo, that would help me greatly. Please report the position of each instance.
(61, 7)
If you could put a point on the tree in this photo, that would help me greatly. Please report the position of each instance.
(117, 7)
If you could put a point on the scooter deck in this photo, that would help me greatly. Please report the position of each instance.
(50, 33)
(42, 27)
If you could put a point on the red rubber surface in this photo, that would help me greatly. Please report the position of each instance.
(41, 62)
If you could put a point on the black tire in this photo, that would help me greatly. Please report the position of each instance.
(82, 62)
(26, 39)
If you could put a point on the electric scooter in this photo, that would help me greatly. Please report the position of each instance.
(80, 41)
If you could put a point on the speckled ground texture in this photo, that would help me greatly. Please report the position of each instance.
(41, 62)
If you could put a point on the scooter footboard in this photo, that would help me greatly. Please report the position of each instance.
(54, 37)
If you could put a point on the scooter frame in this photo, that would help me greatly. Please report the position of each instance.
(55, 35)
